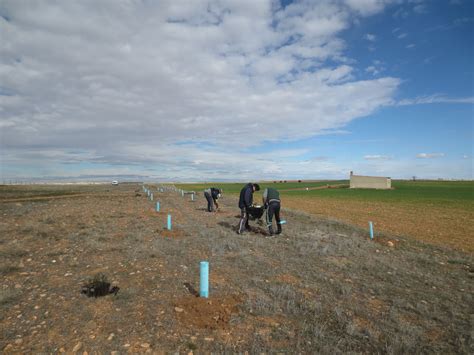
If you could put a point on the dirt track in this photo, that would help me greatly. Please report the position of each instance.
(320, 287)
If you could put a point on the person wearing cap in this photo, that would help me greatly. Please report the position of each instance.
(212, 194)
(245, 202)
(271, 202)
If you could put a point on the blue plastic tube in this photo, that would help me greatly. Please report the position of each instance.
(157, 206)
(169, 222)
(371, 229)
(204, 279)
(283, 221)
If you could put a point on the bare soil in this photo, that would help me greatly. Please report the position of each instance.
(321, 286)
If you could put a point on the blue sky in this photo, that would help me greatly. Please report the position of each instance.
(236, 90)
(431, 50)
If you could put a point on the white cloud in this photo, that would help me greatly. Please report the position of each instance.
(420, 9)
(411, 45)
(401, 13)
(434, 99)
(372, 69)
(429, 155)
(429, 60)
(410, 7)
(367, 7)
(377, 157)
(402, 35)
(376, 68)
(128, 83)
(463, 21)
(370, 37)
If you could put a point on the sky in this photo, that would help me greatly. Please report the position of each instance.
(236, 90)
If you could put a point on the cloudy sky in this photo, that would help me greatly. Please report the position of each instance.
(236, 89)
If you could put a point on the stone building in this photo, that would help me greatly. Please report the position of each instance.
(370, 182)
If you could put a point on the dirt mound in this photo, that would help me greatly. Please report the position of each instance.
(208, 313)
(173, 233)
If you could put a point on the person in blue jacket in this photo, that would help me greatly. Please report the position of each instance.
(245, 202)
(212, 194)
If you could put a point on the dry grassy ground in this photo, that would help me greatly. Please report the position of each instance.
(439, 225)
(322, 286)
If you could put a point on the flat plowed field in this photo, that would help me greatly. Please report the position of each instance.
(435, 224)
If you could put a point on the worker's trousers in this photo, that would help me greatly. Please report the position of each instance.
(244, 221)
(273, 209)
(210, 202)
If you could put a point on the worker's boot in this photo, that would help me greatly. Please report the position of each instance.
(270, 230)
(278, 228)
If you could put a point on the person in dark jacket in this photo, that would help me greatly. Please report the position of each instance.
(212, 194)
(245, 202)
(271, 202)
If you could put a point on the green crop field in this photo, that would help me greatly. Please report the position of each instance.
(234, 188)
(431, 192)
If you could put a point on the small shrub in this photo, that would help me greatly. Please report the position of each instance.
(48, 220)
(42, 234)
(261, 305)
(457, 262)
(27, 230)
(98, 286)
(8, 297)
(7, 269)
(192, 346)
(13, 253)
(257, 345)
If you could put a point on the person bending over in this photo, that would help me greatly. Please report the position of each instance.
(212, 194)
(271, 201)
(245, 201)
